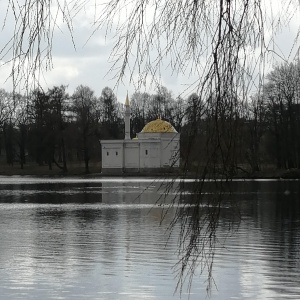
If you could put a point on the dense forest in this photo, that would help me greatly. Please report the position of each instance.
(56, 129)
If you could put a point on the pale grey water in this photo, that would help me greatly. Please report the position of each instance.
(74, 238)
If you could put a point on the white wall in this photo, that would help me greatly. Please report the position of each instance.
(112, 155)
(131, 155)
(150, 154)
(150, 150)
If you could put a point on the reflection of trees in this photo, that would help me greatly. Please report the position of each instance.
(76, 234)
(268, 235)
(123, 233)
(283, 213)
(72, 237)
(279, 214)
(268, 212)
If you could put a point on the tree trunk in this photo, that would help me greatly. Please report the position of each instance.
(65, 169)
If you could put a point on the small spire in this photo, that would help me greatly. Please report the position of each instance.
(127, 100)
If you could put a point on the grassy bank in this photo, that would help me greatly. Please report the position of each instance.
(78, 169)
(74, 169)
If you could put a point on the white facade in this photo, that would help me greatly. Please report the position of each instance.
(156, 147)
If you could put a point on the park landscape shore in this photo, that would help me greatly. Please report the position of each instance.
(78, 169)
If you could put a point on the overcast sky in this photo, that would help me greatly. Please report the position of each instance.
(89, 64)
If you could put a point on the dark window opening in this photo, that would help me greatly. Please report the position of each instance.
(117, 153)
(107, 153)
(146, 152)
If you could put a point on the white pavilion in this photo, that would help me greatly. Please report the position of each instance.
(155, 147)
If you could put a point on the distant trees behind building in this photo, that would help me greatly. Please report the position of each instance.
(55, 128)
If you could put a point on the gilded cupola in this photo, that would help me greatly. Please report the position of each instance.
(158, 126)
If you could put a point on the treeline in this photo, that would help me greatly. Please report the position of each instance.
(55, 128)
(248, 133)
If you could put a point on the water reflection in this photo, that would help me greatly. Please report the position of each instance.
(102, 239)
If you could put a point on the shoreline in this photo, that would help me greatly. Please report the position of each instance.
(78, 170)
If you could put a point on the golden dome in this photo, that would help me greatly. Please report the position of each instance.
(158, 126)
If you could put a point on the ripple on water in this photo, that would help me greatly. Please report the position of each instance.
(116, 248)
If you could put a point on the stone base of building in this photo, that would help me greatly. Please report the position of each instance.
(131, 170)
(138, 171)
(111, 171)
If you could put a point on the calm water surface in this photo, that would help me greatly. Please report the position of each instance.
(75, 238)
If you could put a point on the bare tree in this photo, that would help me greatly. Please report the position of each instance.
(29, 48)
(6, 107)
(217, 43)
(21, 123)
(84, 109)
(254, 115)
(109, 114)
(58, 101)
(139, 110)
(281, 92)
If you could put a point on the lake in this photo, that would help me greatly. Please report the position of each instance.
(109, 238)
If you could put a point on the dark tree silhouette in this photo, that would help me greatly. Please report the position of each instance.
(110, 118)
(58, 101)
(84, 108)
